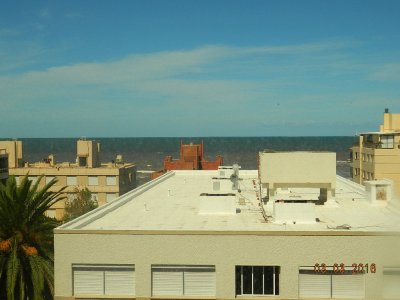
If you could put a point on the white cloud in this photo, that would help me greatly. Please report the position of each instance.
(231, 84)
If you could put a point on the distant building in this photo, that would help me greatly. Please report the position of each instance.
(377, 154)
(3, 165)
(106, 181)
(290, 230)
(191, 158)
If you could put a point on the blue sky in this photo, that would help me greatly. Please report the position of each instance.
(197, 68)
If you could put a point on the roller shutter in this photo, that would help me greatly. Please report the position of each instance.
(348, 286)
(183, 281)
(167, 281)
(199, 282)
(88, 282)
(119, 282)
(314, 286)
(104, 280)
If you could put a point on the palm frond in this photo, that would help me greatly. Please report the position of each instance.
(13, 271)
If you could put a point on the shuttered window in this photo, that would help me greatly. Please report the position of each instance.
(183, 281)
(314, 286)
(71, 180)
(51, 213)
(49, 178)
(111, 196)
(104, 280)
(33, 179)
(93, 180)
(111, 180)
(348, 286)
(391, 283)
(330, 284)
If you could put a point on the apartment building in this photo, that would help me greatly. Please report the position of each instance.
(105, 181)
(3, 165)
(281, 232)
(377, 154)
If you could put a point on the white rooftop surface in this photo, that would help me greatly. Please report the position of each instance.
(172, 202)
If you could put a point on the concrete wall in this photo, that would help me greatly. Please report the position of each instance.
(298, 169)
(225, 252)
(391, 122)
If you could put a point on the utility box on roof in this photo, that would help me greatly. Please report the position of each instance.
(298, 170)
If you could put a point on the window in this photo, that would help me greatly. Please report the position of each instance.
(355, 155)
(387, 141)
(111, 180)
(71, 180)
(94, 196)
(111, 196)
(33, 179)
(257, 280)
(330, 284)
(93, 180)
(49, 178)
(82, 160)
(104, 280)
(170, 280)
(51, 213)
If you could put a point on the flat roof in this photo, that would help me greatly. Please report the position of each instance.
(173, 202)
(381, 132)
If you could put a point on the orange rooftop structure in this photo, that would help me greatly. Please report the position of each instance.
(191, 158)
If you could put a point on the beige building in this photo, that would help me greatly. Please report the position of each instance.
(377, 154)
(3, 165)
(106, 181)
(219, 235)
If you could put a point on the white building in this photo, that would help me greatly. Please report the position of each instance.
(216, 235)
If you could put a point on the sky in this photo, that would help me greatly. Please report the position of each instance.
(197, 68)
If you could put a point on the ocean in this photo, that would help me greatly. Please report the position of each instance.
(148, 153)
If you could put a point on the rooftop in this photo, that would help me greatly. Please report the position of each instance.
(178, 202)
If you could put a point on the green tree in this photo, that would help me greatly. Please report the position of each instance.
(26, 240)
(79, 205)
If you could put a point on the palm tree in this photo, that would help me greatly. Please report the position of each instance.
(26, 240)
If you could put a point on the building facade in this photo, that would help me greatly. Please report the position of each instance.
(220, 235)
(191, 158)
(3, 165)
(105, 181)
(377, 154)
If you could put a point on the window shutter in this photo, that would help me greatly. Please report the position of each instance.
(49, 178)
(199, 282)
(88, 282)
(71, 180)
(93, 180)
(111, 180)
(348, 286)
(314, 286)
(167, 281)
(119, 282)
